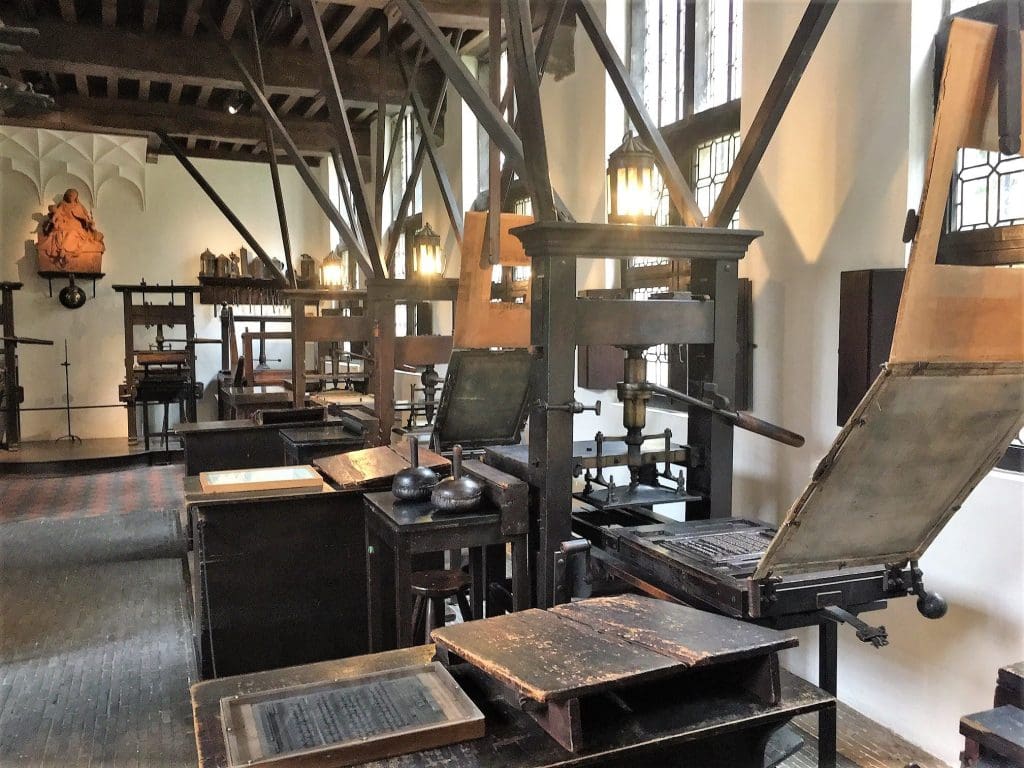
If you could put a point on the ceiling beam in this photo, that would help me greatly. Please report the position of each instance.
(461, 14)
(355, 15)
(67, 11)
(121, 116)
(150, 14)
(82, 49)
(231, 16)
(109, 13)
(258, 155)
(191, 19)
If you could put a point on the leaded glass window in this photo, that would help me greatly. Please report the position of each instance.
(988, 191)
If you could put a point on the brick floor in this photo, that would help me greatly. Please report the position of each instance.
(95, 650)
(99, 493)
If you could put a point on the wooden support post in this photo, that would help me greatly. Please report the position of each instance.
(290, 148)
(426, 126)
(275, 175)
(410, 188)
(469, 89)
(773, 106)
(218, 201)
(379, 179)
(492, 254)
(544, 43)
(553, 335)
(527, 83)
(346, 142)
(678, 190)
(382, 350)
(298, 352)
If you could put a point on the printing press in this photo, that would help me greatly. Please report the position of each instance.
(159, 374)
(849, 544)
(11, 392)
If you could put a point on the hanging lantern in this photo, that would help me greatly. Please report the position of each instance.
(428, 260)
(334, 269)
(632, 196)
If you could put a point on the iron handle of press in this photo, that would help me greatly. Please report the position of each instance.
(573, 406)
(740, 419)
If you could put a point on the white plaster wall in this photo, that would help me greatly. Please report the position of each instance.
(161, 243)
(831, 195)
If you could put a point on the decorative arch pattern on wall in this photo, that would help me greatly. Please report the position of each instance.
(42, 155)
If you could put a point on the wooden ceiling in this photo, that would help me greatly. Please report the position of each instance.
(129, 66)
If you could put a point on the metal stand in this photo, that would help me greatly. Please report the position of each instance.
(828, 679)
(66, 365)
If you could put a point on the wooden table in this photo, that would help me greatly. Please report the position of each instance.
(695, 728)
(396, 531)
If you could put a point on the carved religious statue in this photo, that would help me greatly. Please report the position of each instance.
(68, 240)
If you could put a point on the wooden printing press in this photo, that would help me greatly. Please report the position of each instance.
(160, 375)
(11, 392)
(852, 540)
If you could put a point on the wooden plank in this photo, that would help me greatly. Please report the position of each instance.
(523, 62)
(452, 14)
(546, 657)
(190, 20)
(695, 638)
(336, 328)
(312, 182)
(108, 12)
(422, 350)
(223, 208)
(355, 15)
(419, 110)
(231, 16)
(479, 322)
(958, 313)
(373, 467)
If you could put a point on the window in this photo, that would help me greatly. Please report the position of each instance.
(685, 60)
(987, 192)
(399, 176)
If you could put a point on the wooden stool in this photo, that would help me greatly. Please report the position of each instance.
(431, 589)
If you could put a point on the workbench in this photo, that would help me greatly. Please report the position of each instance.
(696, 727)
